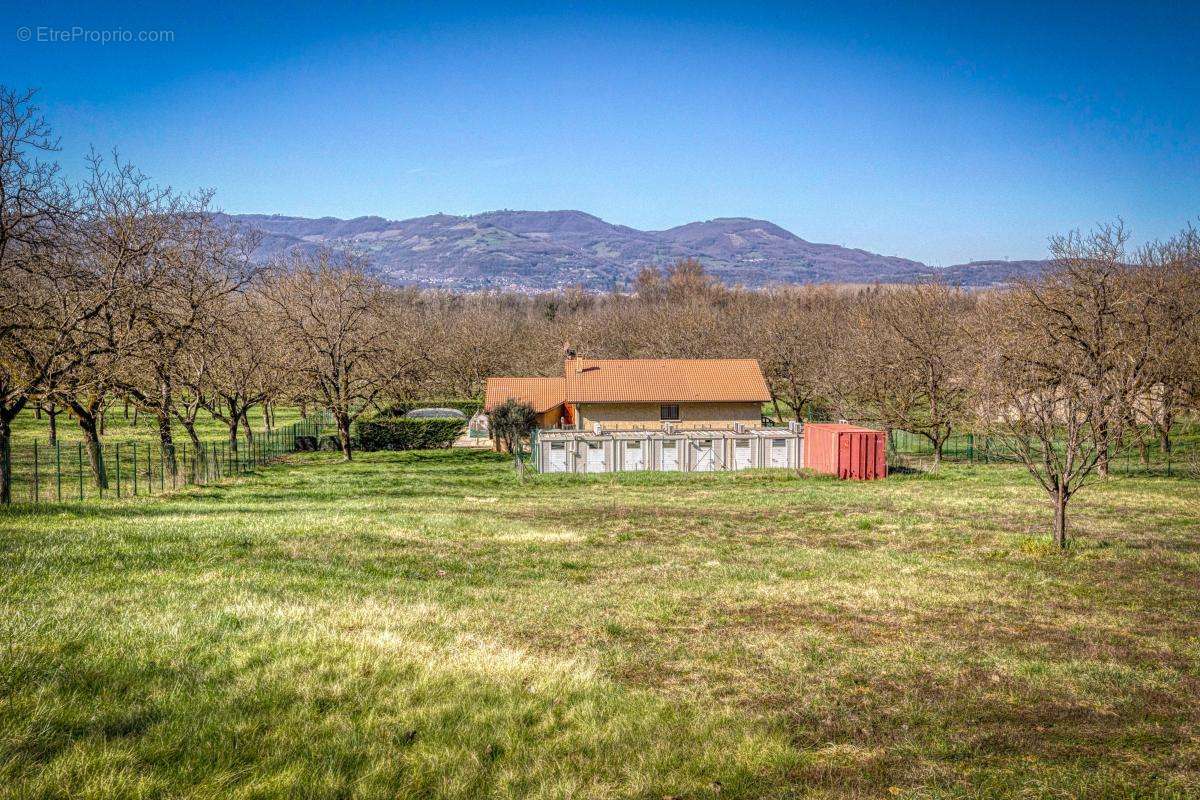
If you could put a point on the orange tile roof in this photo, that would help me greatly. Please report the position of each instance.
(541, 393)
(669, 380)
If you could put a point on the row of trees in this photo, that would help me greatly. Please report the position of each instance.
(120, 290)
(116, 288)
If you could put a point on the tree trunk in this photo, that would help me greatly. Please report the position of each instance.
(198, 448)
(303, 409)
(165, 439)
(89, 424)
(1102, 463)
(1143, 451)
(52, 412)
(343, 426)
(233, 420)
(1163, 421)
(5, 457)
(246, 426)
(1060, 499)
(778, 411)
(938, 444)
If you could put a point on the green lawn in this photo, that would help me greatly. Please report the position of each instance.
(127, 439)
(121, 428)
(419, 626)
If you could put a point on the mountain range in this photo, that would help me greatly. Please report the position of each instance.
(532, 251)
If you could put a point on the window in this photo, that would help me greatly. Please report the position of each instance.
(779, 443)
(634, 445)
(741, 443)
(668, 413)
(593, 445)
(558, 445)
(668, 445)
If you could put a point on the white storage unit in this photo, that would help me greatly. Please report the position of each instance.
(594, 456)
(556, 456)
(666, 450)
(669, 455)
(743, 453)
(777, 451)
(633, 452)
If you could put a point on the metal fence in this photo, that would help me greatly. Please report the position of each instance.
(971, 448)
(64, 471)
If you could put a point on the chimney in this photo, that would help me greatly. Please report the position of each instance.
(596, 428)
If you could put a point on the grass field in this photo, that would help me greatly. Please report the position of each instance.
(120, 428)
(126, 441)
(419, 626)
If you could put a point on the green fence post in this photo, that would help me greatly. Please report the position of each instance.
(36, 489)
(118, 456)
(58, 467)
(971, 447)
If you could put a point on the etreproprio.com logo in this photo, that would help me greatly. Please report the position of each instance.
(78, 34)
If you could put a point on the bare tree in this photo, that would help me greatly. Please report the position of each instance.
(793, 333)
(49, 295)
(331, 313)
(182, 284)
(1068, 355)
(1171, 272)
(907, 361)
(240, 362)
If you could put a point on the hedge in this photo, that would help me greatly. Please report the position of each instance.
(399, 409)
(393, 433)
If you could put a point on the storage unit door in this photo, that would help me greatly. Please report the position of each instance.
(556, 457)
(778, 453)
(742, 454)
(595, 457)
(670, 455)
(635, 458)
(702, 455)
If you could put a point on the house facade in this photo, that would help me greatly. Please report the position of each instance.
(624, 415)
(641, 394)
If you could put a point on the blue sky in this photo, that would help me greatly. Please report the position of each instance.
(942, 132)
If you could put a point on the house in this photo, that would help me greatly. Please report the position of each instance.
(546, 395)
(607, 415)
(636, 394)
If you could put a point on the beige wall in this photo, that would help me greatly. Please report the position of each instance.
(627, 416)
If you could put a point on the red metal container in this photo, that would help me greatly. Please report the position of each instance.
(847, 451)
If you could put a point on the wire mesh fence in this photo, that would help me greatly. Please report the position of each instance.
(1178, 459)
(73, 471)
